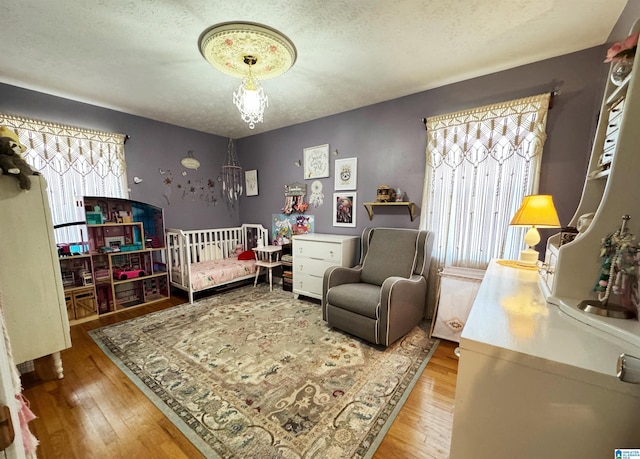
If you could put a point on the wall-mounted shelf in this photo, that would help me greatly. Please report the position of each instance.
(411, 207)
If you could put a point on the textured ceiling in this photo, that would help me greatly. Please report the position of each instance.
(141, 56)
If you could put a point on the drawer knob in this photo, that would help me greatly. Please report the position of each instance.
(628, 369)
(545, 269)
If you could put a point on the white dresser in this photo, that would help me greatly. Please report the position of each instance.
(313, 254)
(538, 381)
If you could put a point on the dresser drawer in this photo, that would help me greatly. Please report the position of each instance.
(308, 285)
(318, 250)
(311, 266)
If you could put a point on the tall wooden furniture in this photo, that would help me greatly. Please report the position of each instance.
(611, 190)
(534, 382)
(30, 281)
(313, 254)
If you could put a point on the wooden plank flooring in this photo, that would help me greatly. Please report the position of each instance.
(97, 412)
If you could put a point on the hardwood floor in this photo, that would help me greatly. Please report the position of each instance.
(97, 412)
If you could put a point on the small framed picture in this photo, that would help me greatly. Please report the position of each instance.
(344, 209)
(251, 182)
(346, 174)
(316, 162)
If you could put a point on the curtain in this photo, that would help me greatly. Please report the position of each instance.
(480, 164)
(75, 162)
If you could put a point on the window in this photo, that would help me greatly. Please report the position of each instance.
(75, 162)
(480, 164)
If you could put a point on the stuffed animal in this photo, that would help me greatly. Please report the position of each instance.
(11, 162)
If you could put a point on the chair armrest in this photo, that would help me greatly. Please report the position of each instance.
(337, 275)
(402, 301)
(395, 285)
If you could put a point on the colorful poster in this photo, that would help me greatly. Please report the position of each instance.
(284, 226)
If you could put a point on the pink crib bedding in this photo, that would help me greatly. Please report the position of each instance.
(217, 272)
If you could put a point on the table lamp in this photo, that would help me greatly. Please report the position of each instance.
(536, 211)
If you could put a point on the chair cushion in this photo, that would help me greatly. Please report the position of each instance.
(392, 252)
(359, 298)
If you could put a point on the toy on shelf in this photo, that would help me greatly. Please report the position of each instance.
(128, 273)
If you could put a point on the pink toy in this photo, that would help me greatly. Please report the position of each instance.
(124, 274)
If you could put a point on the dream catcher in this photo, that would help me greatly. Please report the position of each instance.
(317, 198)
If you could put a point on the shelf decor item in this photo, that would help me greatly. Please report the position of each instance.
(619, 264)
(385, 193)
(621, 70)
(622, 55)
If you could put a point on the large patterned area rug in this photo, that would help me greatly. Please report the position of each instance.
(257, 374)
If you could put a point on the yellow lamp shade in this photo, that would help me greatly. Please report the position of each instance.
(537, 210)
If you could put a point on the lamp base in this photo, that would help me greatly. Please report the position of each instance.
(528, 257)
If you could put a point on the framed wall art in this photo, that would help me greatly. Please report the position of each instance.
(344, 209)
(251, 182)
(346, 174)
(316, 162)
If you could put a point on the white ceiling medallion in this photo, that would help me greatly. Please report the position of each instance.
(252, 52)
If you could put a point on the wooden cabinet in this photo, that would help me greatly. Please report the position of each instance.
(313, 254)
(611, 190)
(125, 241)
(30, 280)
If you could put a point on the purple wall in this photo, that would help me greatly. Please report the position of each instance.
(389, 141)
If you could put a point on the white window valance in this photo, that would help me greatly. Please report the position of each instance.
(75, 162)
(63, 147)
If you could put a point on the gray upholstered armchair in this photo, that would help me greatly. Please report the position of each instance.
(382, 298)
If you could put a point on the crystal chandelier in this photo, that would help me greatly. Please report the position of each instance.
(231, 174)
(250, 97)
(232, 46)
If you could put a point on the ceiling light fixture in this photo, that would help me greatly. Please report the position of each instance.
(250, 98)
(252, 52)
